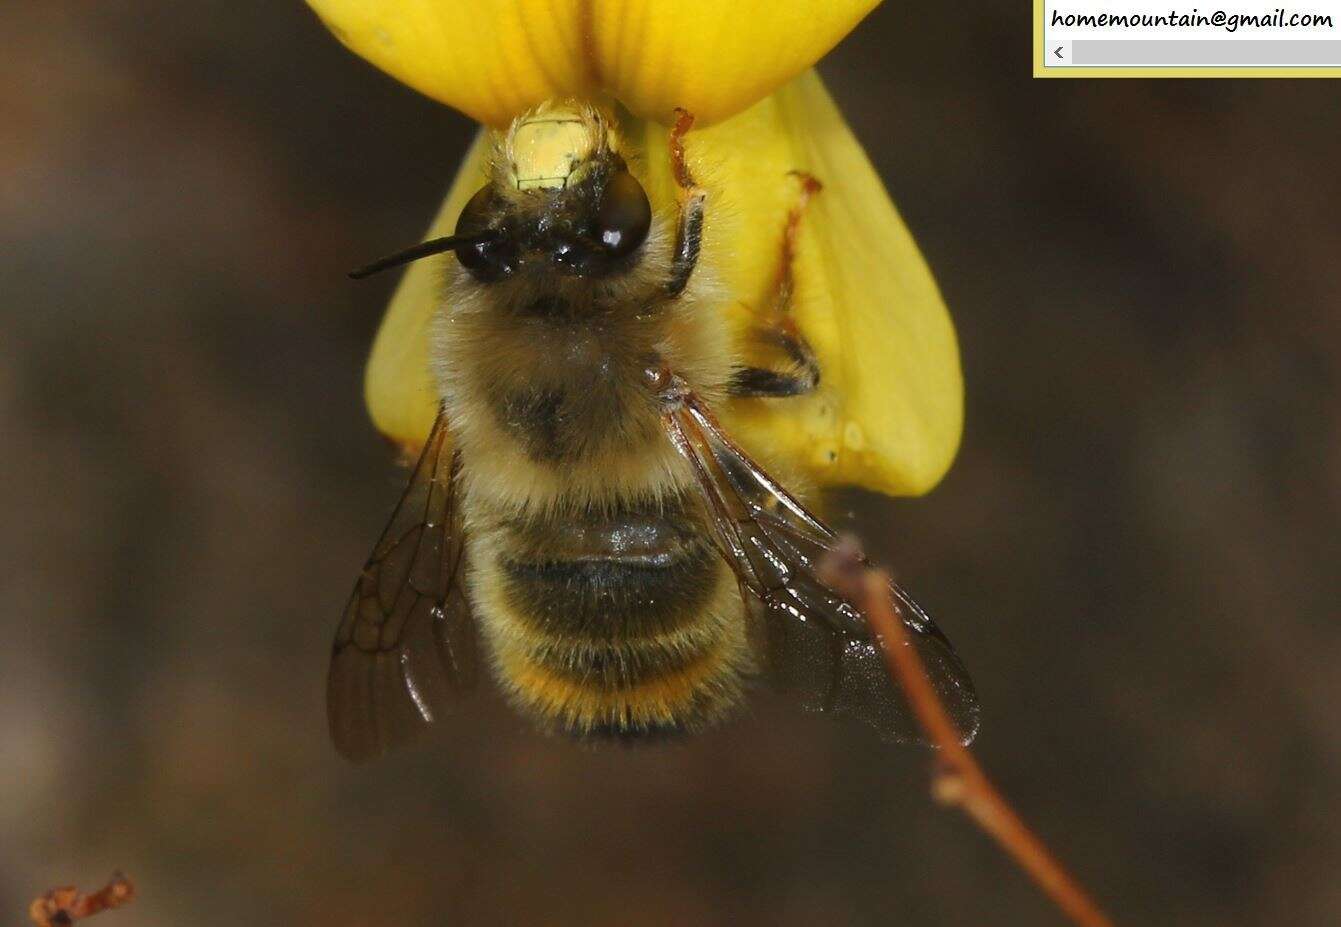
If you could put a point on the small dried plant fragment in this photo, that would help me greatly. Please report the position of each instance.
(65, 905)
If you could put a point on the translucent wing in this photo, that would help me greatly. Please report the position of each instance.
(405, 646)
(817, 643)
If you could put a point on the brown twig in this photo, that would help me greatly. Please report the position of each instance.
(63, 906)
(958, 779)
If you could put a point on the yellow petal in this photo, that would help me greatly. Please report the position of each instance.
(889, 409)
(398, 384)
(492, 59)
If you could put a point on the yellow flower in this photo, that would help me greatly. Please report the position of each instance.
(492, 59)
(888, 413)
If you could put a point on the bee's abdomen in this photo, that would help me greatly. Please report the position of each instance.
(626, 626)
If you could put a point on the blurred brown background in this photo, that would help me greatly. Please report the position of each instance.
(1137, 551)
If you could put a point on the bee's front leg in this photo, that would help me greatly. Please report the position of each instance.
(689, 237)
(777, 327)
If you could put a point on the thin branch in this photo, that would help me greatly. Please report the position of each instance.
(958, 779)
(63, 906)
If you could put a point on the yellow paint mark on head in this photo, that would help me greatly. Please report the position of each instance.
(547, 147)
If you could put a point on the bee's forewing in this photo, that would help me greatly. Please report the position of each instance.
(405, 648)
(818, 644)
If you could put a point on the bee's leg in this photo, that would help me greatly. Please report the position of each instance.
(799, 378)
(778, 327)
(689, 237)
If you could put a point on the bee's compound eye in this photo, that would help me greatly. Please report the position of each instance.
(624, 216)
(487, 260)
(475, 215)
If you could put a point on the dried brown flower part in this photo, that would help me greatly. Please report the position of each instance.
(65, 905)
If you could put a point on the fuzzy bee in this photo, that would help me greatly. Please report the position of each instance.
(580, 522)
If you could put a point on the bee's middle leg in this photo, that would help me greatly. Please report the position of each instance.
(778, 327)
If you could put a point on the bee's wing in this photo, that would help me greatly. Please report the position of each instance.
(405, 646)
(818, 644)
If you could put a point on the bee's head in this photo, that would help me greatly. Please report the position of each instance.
(560, 198)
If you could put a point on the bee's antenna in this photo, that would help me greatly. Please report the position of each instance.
(421, 250)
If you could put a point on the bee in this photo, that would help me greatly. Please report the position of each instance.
(580, 522)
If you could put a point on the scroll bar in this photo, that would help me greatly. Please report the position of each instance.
(1117, 53)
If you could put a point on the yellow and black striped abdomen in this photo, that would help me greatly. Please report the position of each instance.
(626, 624)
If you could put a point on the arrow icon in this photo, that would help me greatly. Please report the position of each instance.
(1058, 50)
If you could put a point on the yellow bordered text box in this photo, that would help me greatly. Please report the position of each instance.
(1169, 51)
